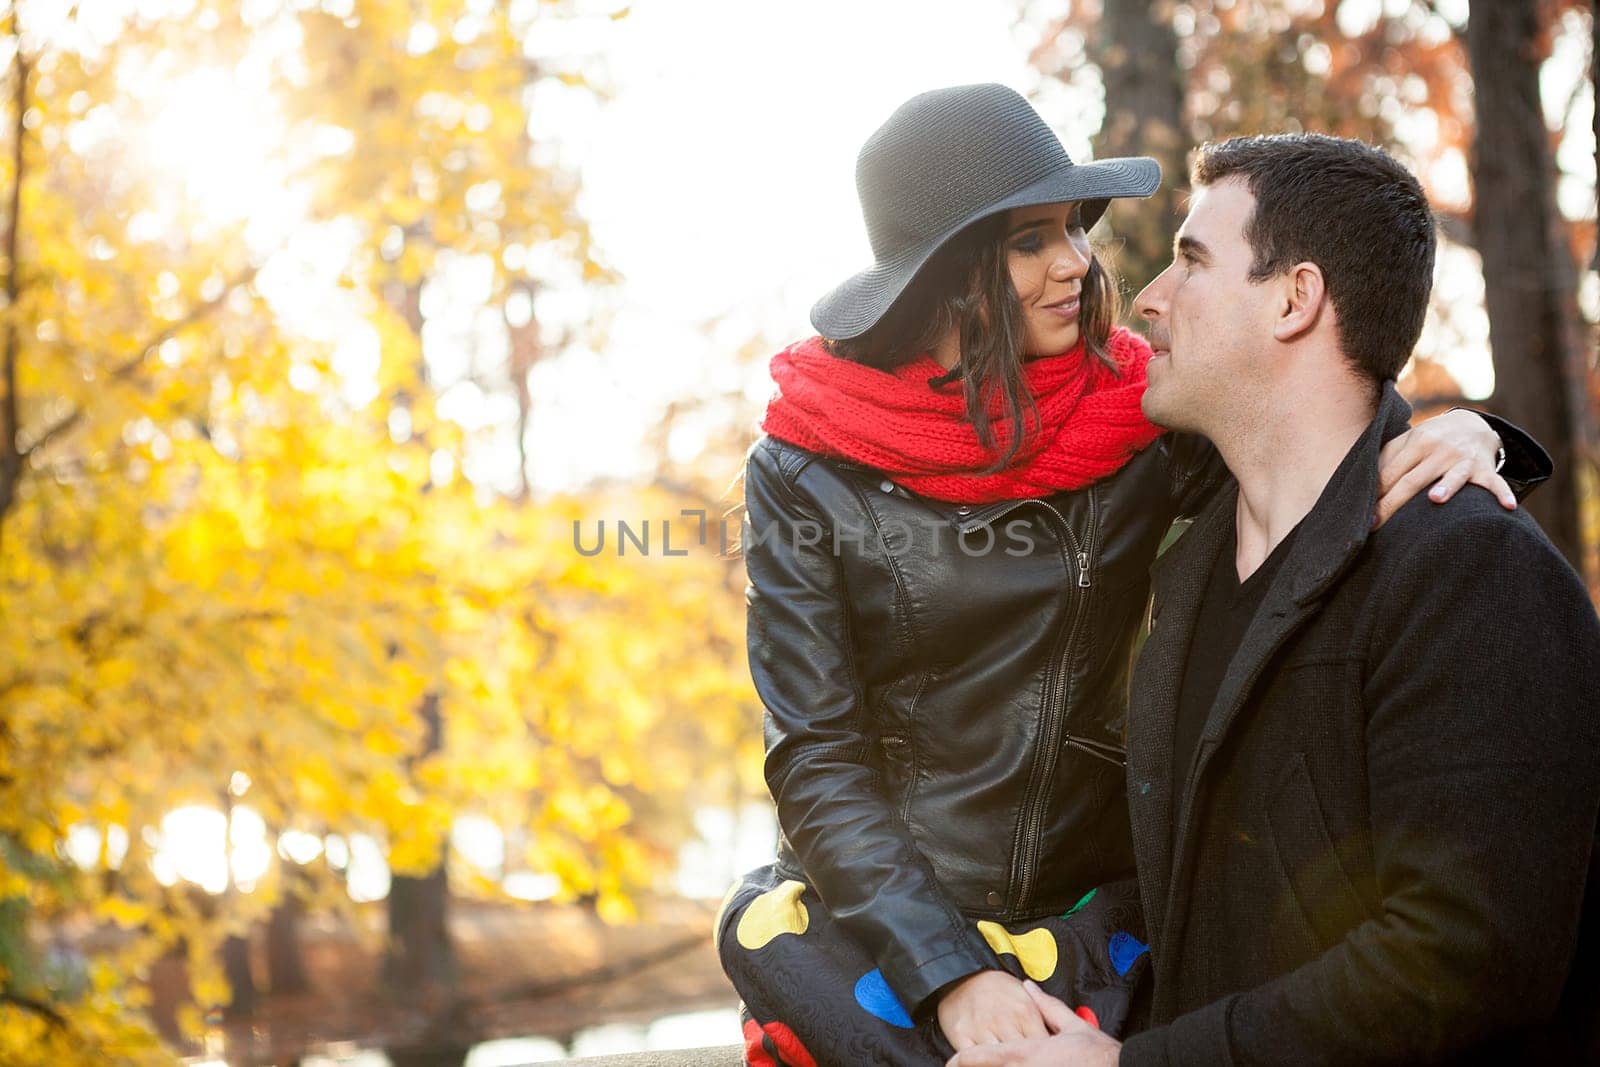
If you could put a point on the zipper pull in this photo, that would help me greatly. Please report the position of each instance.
(1083, 570)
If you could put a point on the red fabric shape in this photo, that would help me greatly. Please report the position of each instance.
(755, 1046)
(1087, 1014)
(1090, 422)
(790, 1052)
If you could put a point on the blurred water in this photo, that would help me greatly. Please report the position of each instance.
(685, 1030)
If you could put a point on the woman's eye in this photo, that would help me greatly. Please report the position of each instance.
(1029, 244)
(1075, 221)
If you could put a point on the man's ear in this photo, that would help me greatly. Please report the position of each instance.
(1302, 293)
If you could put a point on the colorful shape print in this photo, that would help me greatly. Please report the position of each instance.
(1081, 902)
(790, 1050)
(879, 1001)
(1124, 949)
(777, 911)
(1035, 950)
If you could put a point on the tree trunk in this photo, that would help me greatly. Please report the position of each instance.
(1529, 275)
(243, 1001)
(286, 964)
(525, 352)
(1138, 60)
(10, 346)
(420, 966)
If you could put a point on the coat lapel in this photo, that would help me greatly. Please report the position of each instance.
(1178, 581)
(1328, 541)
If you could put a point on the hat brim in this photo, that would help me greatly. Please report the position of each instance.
(855, 305)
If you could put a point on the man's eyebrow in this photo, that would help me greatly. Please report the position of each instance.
(1188, 246)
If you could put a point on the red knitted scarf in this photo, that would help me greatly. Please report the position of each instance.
(919, 435)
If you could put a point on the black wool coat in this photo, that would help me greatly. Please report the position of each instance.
(1383, 846)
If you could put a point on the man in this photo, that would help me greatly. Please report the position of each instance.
(1363, 767)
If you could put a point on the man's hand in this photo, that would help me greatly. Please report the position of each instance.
(987, 1008)
(1073, 1042)
(1451, 450)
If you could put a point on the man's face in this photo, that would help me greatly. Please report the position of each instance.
(1209, 324)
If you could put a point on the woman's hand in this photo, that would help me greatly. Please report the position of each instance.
(987, 1008)
(1451, 450)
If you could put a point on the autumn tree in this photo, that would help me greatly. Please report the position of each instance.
(1528, 261)
(1395, 74)
(239, 554)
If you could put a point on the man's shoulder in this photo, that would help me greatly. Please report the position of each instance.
(1471, 523)
(1471, 544)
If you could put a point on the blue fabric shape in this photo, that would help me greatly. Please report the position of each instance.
(879, 1001)
(1125, 948)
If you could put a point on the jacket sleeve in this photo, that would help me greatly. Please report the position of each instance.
(1483, 695)
(1527, 463)
(856, 851)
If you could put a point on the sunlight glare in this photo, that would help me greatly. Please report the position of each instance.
(211, 138)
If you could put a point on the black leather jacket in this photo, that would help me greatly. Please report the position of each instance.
(945, 690)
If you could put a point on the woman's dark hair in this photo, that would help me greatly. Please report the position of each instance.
(966, 286)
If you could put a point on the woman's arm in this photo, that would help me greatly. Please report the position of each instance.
(857, 853)
(1446, 451)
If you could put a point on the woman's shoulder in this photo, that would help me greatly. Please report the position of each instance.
(791, 458)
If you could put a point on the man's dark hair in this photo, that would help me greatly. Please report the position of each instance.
(1352, 210)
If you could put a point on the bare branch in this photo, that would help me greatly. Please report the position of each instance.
(37, 1007)
(127, 367)
(1458, 228)
(598, 976)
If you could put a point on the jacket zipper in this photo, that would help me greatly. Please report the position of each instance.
(1055, 704)
(1109, 753)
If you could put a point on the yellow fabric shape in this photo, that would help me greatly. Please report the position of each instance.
(1035, 950)
(777, 911)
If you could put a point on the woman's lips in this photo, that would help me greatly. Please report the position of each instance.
(1065, 309)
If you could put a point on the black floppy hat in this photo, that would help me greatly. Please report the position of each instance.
(945, 159)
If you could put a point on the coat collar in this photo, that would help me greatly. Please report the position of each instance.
(1328, 540)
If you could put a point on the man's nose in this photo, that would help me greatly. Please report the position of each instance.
(1151, 303)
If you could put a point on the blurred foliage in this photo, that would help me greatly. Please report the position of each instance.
(215, 562)
(1174, 74)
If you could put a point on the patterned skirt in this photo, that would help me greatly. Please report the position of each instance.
(814, 998)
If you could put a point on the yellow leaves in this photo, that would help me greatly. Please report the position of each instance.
(229, 565)
(39, 838)
(126, 913)
(615, 908)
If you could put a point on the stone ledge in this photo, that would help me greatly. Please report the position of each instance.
(725, 1056)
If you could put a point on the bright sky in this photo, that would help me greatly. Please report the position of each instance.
(721, 182)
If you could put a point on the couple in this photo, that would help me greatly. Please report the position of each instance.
(1347, 813)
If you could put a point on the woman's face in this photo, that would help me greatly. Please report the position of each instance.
(1048, 253)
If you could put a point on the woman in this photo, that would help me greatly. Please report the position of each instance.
(950, 522)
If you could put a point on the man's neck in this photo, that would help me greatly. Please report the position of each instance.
(1285, 461)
